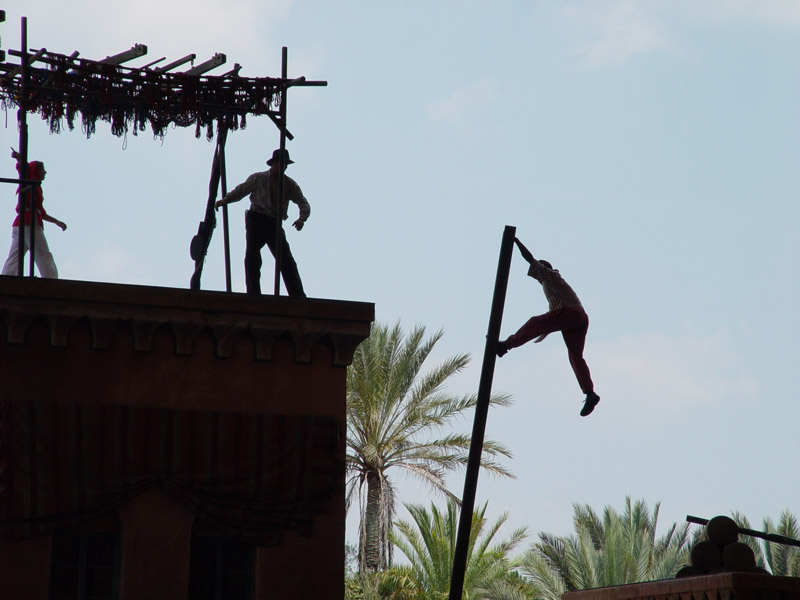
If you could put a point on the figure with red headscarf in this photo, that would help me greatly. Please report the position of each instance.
(32, 196)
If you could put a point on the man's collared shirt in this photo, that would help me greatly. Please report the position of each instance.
(557, 291)
(262, 189)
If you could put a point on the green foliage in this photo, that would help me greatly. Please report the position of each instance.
(429, 544)
(393, 414)
(620, 548)
(362, 588)
(352, 588)
(350, 559)
(612, 549)
(615, 549)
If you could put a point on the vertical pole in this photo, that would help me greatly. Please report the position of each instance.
(22, 119)
(32, 193)
(279, 208)
(32, 244)
(225, 231)
(481, 413)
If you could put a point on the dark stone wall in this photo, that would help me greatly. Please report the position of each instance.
(205, 351)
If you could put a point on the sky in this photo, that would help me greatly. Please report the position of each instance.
(649, 149)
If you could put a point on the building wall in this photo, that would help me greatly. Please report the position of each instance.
(231, 354)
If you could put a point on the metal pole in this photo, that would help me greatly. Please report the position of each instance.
(481, 413)
(279, 209)
(764, 535)
(32, 245)
(22, 161)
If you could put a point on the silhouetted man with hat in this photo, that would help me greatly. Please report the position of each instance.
(260, 225)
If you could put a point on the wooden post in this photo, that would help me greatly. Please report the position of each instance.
(22, 118)
(200, 242)
(481, 413)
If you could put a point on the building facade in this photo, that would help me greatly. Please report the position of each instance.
(169, 444)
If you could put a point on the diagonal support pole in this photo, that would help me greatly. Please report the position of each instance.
(481, 413)
(198, 248)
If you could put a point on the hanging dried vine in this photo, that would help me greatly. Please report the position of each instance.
(132, 99)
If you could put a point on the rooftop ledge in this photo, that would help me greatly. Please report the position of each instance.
(107, 307)
(720, 586)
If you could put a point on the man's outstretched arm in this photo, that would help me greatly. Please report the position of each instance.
(526, 254)
(48, 218)
(237, 193)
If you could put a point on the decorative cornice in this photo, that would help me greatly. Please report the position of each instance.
(107, 308)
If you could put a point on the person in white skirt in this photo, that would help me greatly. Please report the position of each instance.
(42, 255)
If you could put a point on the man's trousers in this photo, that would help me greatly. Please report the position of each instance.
(573, 323)
(41, 253)
(260, 230)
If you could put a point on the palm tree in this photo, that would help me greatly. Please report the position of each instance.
(780, 559)
(393, 412)
(619, 549)
(429, 545)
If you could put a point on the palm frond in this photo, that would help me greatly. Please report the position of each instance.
(395, 410)
(619, 548)
(430, 547)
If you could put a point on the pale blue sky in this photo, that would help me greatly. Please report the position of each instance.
(649, 149)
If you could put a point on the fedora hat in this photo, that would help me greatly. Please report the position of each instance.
(276, 156)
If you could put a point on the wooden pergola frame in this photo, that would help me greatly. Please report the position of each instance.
(59, 87)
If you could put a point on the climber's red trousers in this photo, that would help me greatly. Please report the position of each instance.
(573, 323)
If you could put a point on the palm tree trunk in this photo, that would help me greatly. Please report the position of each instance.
(370, 545)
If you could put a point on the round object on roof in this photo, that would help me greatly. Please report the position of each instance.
(706, 555)
(722, 531)
(738, 557)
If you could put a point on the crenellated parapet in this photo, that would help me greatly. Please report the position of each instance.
(106, 309)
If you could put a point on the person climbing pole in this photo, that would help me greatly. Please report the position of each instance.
(565, 314)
